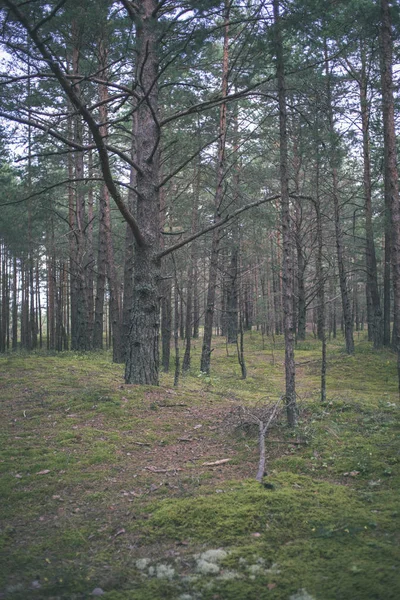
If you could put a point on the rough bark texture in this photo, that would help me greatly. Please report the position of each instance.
(129, 249)
(142, 363)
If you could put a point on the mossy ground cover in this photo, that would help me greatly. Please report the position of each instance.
(103, 485)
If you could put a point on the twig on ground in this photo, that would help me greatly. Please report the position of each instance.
(263, 417)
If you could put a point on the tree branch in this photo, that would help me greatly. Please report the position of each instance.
(87, 116)
(219, 223)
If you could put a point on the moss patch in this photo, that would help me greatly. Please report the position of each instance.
(98, 476)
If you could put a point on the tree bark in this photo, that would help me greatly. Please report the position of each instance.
(344, 290)
(391, 172)
(213, 272)
(287, 267)
(375, 329)
(142, 364)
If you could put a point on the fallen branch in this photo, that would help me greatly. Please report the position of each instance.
(216, 463)
(260, 416)
(263, 429)
(155, 470)
(287, 443)
(170, 405)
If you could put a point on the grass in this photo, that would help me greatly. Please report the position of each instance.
(103, 485)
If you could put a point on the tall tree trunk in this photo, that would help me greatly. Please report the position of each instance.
(80, 330)
(14, 337)
(344, 290)
(190, 300)
(115, 315)
(98, 328)
(165, 293)
(391, 172)
(142, 364)
(89, 271)
(219, 194)
(375, 328)
(287, 268)
(301, 261)
(232, 296)
(320, 276)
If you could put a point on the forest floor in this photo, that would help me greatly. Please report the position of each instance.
(104, 489)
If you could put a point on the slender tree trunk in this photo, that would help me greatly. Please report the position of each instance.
(101, 276)
(73, 306)
(299, 278)
(89, 271)
(176, 332)
(375, 325)
(113, 284)
(232, 291)
(14, 343)
(80, 315)
(321, 316)
(166, 294)
(287, 268)
(129, 246)
(191, 289)
(232, 296)
(219, 194)
(344, 290)
(391, 172)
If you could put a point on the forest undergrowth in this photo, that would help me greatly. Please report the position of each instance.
(106, 491)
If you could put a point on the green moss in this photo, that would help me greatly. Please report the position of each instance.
(327, 524)
(297, 506)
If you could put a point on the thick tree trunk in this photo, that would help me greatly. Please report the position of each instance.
(287, 268)
(142, 363)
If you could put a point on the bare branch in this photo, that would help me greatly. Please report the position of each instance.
(87, 116)
(187, 161)
(218, 223)
(50, 15)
